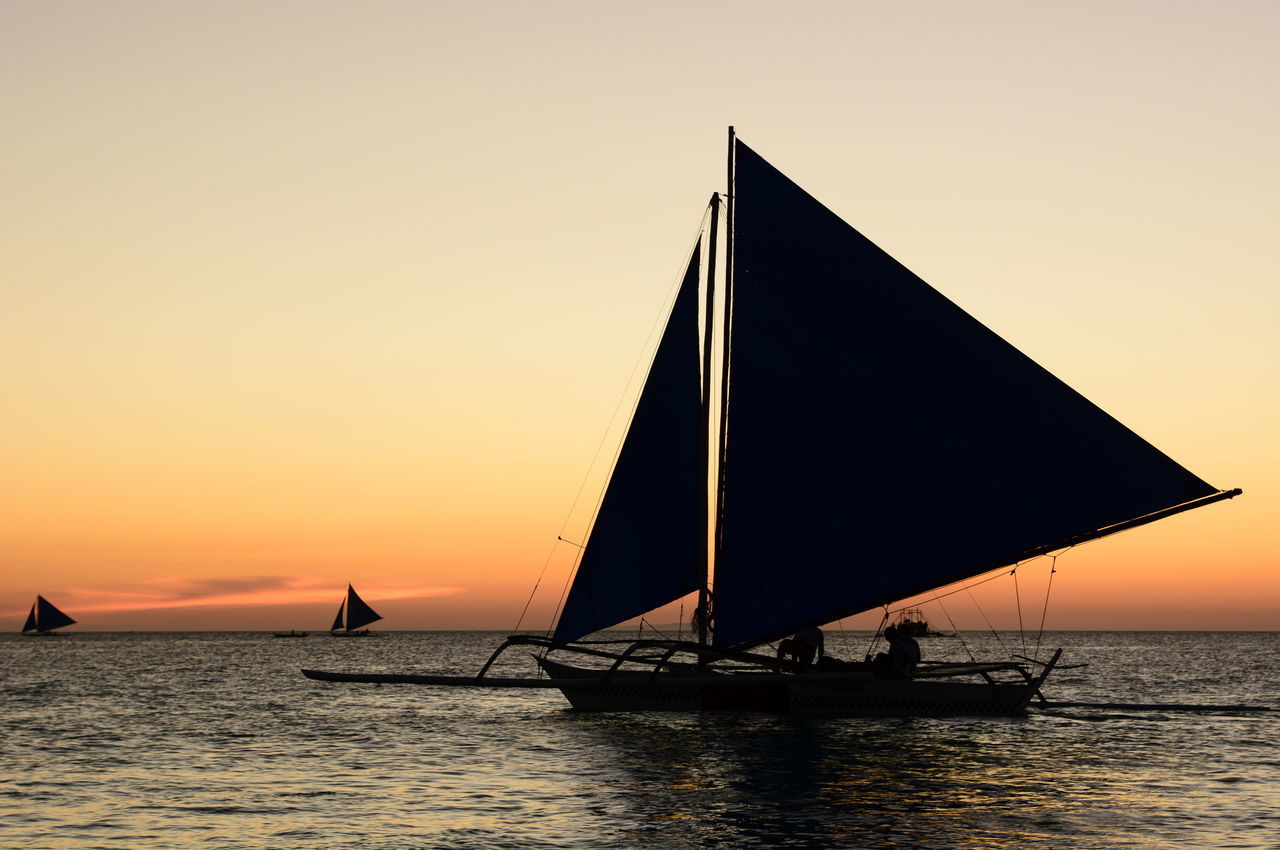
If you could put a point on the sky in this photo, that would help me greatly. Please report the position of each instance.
(296, 294)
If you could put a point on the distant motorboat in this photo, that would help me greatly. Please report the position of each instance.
(290, 633)
(357, 613)
(911, 622)
(43, 618)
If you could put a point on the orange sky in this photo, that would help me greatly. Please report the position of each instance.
(293, 295)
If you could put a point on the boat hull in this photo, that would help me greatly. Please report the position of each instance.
(854, 694)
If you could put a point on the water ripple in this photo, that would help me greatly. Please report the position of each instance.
(215, 740)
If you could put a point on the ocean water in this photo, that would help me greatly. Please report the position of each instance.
(215, 740)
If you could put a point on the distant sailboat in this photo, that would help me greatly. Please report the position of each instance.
(357, 615)
(872, 442)
(43, 618)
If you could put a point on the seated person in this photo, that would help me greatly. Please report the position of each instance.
(901, 659)
(803, 646)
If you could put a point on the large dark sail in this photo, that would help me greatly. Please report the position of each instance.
(359, 614)
(645, 546)
(881, 441)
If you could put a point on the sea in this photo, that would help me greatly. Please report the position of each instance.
(216, 740)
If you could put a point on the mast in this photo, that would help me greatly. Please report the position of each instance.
(731, 196)
(707, 341)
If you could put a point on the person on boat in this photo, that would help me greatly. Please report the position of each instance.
(701, 618)
(903, 655)
(802, 647)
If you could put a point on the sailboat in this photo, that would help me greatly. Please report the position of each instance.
(353, 615)
(43, 618)
(870, 442)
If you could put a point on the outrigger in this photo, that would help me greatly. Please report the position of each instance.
(727, 680)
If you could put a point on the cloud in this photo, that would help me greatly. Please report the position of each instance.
(197, 588)
(239, 591)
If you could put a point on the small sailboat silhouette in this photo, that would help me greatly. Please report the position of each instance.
(43, 618)
(353, 615)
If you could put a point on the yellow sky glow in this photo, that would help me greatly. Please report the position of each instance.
(326, 293)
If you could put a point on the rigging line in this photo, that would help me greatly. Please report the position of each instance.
(537, 583)
(1018, 601)
(875, 637)
(658, 322)
(657, 631)
(1053, 569)
(997, 573)
(999, 639)
(955, 631)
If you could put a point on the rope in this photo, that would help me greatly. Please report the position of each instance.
(533, 592)
(545, 564)
(875, 637)
(968, 588)
(672, 291)
(657, 631)
(999, 639)
(1053, 569)
(999, 572)
(1017, 597)
(954, 630)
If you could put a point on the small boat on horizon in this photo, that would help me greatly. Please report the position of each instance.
(43, 618)
(353, 615)
(289, 634)
(911, 621)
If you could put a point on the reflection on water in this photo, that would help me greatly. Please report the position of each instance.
(215, 740)
(763, 781)
(757, 781)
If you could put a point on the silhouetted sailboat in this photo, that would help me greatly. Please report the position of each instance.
(872, 442)
(353, 615)
(43, 618)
